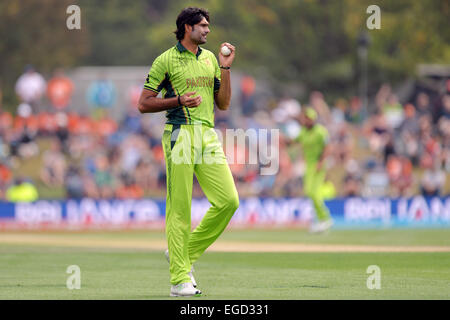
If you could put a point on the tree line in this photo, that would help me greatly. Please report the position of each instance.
(301, 44)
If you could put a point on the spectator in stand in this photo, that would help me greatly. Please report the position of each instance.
(342, 145)
(352, 184)
(6, 123)
(46, 124)
(133, 157)
(6, 133)
(146, 175)
(247, 95)
(377, 131)
(89, 185)
(393, 111)
(376, 183)
(429, 147)
(103, 178)
(407, 138)
(54, 165)
(382, 96)
(132, 150)
(59, 90)
(408, 145)
(410, 123)
(74, 183)
(445, 101)
(5, 178)
(106, 126)
(423, 105)
(389, 148)
(129, 189)
(443, 126)
(132, 120)
(23, 144)
(425, 125)
(433, 179)
(287, 108)
(22, 191)
(354, 114)
(446, 153)
(339, 111)
(62, 131)
(30, 87)
(399, 170)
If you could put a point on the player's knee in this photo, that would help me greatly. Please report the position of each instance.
(232, 203)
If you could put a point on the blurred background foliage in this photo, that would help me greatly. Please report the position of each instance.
(306, 45)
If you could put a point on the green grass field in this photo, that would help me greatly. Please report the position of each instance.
(35, 269)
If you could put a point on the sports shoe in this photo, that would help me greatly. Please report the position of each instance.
(321, 226)
(191, 275)
(184, 290)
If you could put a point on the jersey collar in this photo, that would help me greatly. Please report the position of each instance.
(181, 48)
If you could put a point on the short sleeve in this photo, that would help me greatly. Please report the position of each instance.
(156, 76)
(216, 75)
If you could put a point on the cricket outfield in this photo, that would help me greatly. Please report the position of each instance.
(286, 264)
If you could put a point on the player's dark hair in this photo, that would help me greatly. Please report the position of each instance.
(190, 16)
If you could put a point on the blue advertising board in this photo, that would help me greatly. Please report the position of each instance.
(346, 212)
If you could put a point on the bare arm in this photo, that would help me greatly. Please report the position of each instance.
(325, 153)
(223, 96)
(149, 103)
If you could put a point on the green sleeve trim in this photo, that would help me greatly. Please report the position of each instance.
(157, 78)
(150, 89)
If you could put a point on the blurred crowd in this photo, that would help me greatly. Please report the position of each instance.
(395, 149)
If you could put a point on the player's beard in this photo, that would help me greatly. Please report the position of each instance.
(196, 37)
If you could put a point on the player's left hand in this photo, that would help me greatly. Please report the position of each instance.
(226, 61)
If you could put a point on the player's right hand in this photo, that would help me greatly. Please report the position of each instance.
(190, 102)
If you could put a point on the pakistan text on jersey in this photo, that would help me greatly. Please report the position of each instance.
(200, 82)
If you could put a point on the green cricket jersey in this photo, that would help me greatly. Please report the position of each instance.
(177, 71)
(313, 142)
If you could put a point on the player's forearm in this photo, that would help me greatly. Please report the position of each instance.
(154, 104)
(224, 93)
(325, 153)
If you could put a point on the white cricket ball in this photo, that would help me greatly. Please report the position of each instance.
(225, 51)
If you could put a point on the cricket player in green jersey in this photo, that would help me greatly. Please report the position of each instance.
(314, 141)
(191, 80)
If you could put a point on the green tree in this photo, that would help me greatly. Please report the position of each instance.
(302, 44)
(312, 43)
(412, 32)
(35, 32)
(118, 30)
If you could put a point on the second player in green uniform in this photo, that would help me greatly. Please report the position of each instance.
(314, 141)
